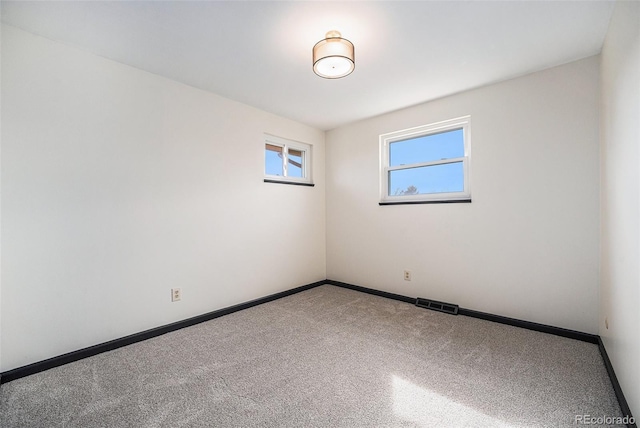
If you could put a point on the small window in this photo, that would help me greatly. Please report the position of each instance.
(287, 161)
(429, 163)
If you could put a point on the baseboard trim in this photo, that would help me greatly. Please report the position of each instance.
(624, 406)
(70, 357)
(558, 331)
(529, 325)
(372, 291)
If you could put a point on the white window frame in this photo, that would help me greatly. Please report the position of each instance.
(286, 144)
(386, 140)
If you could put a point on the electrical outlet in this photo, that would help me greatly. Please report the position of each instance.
(407, 275)
(176, 294)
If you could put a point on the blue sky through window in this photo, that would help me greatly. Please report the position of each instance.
(273, 161)
(431, 179)
(294, 169)
(428, 179)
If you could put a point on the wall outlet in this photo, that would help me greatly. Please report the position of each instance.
(407, 275)
(176, 294)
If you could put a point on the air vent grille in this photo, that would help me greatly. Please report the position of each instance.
(448, 308)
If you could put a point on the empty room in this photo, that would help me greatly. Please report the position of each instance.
(319, 214)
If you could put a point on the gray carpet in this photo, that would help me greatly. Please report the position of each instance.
(326, 357)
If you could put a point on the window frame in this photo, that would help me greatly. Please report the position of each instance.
(286, 144)
(387, 139)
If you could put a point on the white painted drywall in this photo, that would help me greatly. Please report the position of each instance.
(118, 185)
(0, 192)
(620, 163)
(526, 247)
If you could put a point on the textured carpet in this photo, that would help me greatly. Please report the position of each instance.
(327, 357)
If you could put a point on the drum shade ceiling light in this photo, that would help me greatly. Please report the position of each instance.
(333, 57)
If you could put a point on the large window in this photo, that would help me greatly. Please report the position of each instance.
(286, 161)
(429, 163)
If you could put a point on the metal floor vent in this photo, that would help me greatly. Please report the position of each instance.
(437, 306)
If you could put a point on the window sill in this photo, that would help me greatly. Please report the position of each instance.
(450, 201)
(294, 183)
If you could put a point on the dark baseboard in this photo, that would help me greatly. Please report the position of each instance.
(372, 291)
(558, 331)
(529, 325)
(70, 357)
(624, 406)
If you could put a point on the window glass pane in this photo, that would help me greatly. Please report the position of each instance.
(428, 148)
(427, 179)
(273, 160)
(295, 163)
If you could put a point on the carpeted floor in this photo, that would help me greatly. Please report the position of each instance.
(326, 357)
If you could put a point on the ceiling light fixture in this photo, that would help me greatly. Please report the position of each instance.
(333, 57)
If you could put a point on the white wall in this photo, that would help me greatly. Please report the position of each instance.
(620, 154)
(118, 185)
(0, 194)
(526, 247)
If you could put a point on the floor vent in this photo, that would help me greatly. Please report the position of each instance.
(437, 306)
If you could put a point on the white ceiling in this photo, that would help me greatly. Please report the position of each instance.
(259, 53)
